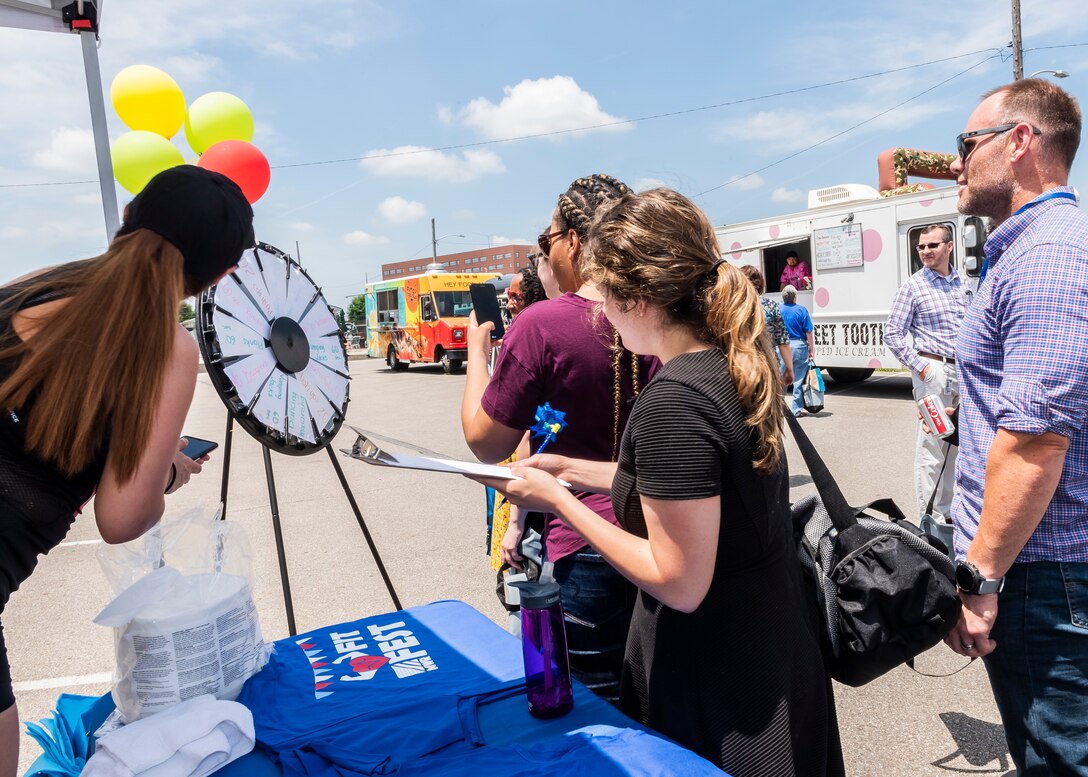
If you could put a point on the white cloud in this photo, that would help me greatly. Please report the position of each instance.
(747, 182)
(193, 68)
(9, 233)
(642, 184)
(502, 240)
(543, 105)
(302, 226)
(782, 194)
(445, 115)
(423, 162)
(69, 150)
(282, 49)
(360, 238)
(397, 210)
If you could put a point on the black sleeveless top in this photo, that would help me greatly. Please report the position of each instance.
(37, 503)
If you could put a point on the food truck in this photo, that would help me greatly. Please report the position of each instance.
(860, 248)
(421, 318)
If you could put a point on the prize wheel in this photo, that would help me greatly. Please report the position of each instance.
(272, 349)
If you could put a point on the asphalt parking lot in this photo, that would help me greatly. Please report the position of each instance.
(429, 529)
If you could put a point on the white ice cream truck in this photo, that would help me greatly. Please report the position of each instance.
(859, 247)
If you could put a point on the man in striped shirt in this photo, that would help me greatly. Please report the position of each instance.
(929, 307)
(1021, 505)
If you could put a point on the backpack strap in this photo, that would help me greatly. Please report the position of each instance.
(842, 515)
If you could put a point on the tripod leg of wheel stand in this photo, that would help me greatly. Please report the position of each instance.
(228, 437)
(279, 541)
(362, 525)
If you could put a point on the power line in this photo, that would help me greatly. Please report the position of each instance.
(848, 129)
(571, 130)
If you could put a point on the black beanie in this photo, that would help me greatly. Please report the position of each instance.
(201, 213)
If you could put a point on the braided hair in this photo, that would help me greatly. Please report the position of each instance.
(578, 204)
(575, 210)
(532, 290)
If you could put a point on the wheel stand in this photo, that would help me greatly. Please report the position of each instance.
(274, 506)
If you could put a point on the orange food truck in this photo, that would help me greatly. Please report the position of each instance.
(421, 318)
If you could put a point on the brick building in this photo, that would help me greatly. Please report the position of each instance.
(504, 259)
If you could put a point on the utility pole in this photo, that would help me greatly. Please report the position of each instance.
(434, 245)
(1017, 43)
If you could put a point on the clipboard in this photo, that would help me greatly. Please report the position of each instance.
(367, 450)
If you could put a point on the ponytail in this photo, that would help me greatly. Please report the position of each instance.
(658, 247)
(735, 322)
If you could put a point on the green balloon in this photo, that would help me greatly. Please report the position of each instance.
(139, 156)
(217, 116)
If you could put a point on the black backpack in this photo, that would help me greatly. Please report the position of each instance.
(883, 590)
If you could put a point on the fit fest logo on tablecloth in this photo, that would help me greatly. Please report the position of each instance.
(395, 643)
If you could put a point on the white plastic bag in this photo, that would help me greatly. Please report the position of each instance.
(183, 615)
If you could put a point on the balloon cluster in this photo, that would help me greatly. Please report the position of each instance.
(218, 126)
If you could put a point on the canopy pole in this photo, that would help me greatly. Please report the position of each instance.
(88, 39)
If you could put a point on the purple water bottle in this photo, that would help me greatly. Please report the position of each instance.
(544, 648)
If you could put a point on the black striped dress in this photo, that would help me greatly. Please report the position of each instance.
(740, 680)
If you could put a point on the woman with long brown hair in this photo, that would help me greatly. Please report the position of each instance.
(722, 655)
(96, 378)
(562, 352)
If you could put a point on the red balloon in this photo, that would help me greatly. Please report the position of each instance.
(241, 162)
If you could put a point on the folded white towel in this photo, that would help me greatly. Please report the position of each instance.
(191, 739)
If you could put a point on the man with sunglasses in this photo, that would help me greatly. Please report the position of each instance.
(1021, 507)
(930, 307)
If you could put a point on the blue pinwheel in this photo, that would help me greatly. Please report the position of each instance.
(549, 423)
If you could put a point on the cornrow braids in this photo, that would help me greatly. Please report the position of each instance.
(532, 290)
(579, 203)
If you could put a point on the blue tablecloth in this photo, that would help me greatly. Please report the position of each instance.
(502, 721)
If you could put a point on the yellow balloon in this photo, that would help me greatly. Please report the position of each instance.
(139, 156)
(146, 98)
(217, 116)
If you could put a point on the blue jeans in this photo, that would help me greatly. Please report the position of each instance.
(799, 349)
(1039, 669)
(597, 605)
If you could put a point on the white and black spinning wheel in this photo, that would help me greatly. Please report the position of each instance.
(273, 351)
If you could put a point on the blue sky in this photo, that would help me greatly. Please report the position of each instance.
(357, 80)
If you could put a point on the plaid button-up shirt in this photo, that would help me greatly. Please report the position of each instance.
(1022, 355)
(930, 307)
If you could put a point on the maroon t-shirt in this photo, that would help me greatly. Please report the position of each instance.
(560, 351)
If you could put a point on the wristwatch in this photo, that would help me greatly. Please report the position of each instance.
(970, 581)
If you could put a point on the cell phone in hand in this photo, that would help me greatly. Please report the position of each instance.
(486, 305)
(198, 447)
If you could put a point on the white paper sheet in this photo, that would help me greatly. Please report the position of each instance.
(237, 339)
(299, 293)
(249, 275)
(230, 297)
(366, 450)
(298, 413)
(275, 278)
(327, 350)
(319, 406)
(250, 373)
(271, 407)
(332, 384)
(319, 322)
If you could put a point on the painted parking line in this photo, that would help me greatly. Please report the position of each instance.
(79, 542)
(63, 682)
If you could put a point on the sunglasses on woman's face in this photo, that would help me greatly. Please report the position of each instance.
(513, 296)
(545, 241)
